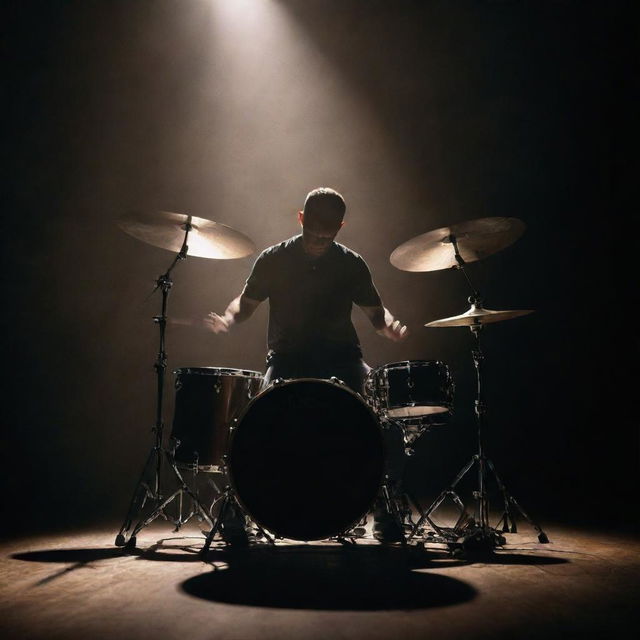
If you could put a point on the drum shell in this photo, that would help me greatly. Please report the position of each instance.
(411, 389)
(306, 459)
(207, 400)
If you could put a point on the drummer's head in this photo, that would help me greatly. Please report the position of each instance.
(321, 219)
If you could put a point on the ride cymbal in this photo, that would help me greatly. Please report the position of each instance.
(207, 239)
(478, 315)
(476, 239)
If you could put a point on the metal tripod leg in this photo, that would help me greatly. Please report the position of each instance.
(391, 506)
(138, 500)
(507, 516)
(481, 527)
(449, 491)
(217, 524)
(229, 501)
(137, 505)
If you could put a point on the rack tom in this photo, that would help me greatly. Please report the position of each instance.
(412, 390)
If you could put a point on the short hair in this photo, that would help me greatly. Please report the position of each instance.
(325, 206)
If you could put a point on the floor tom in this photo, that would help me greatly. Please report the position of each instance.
(207, 401)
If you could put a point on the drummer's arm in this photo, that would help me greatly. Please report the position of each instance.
(385, 324)
(238, 310)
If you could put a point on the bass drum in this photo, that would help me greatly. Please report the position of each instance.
(306, 459)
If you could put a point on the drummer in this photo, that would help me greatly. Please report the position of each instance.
(311, 282)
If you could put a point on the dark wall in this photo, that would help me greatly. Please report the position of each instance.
(422, 114)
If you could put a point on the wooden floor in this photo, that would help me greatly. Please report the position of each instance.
(78, 585)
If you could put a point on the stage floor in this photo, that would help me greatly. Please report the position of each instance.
(79, 586)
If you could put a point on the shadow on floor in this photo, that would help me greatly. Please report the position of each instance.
(75, 556)
(175, 549)
(314, 577)
(507, 558)
(303, 576)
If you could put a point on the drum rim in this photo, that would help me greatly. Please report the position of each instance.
(403, 364)
(282, 383)
(447, 407)
(336, 382)
(218, 371)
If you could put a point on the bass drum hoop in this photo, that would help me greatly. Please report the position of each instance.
(349, 523)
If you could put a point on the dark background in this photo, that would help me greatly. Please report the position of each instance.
(422, 114)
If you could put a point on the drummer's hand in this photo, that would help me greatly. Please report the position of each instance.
(395, 331)
(217, 324)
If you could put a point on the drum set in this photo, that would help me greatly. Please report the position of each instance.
(306, 459)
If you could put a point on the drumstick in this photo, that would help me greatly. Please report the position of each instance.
(185, 322)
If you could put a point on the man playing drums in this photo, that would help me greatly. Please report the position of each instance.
(312, 282)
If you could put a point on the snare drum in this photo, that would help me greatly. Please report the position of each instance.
(306, 459)
(413, 390)
(207, 401)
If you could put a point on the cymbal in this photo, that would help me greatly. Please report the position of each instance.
(207, 239)
(478, 315)
(476, 239)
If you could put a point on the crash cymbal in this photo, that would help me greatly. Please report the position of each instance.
(478, 315)
(207, 239)
(476, 239)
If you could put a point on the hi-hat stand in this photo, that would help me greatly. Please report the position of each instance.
(476, 531)
(150, 497)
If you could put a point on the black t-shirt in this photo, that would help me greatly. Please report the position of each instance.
(310, 299)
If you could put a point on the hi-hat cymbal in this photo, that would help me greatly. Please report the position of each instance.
(207, 239)
(476, 239)
(478, 315)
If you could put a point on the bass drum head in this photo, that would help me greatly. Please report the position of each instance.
(306, 459)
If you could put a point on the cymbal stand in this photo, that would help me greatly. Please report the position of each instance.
(149, 487)
(476, 531)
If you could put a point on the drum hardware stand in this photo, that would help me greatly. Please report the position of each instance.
(476, 532)
(227, 501)
(397, 502)
(391, 505)
(196, 505)
(412, 431)
(442, 534)
(153, 490)
(358, 531)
